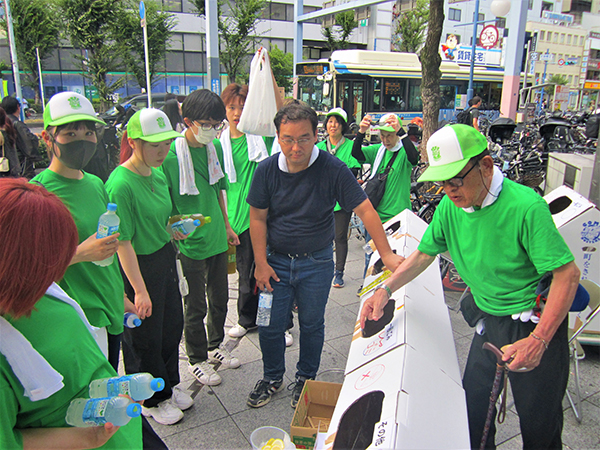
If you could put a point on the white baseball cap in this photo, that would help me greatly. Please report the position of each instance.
(151, 125)
(68, 107)
(338, 112)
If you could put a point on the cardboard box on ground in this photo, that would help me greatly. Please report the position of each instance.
(578, 222)
(402, 375)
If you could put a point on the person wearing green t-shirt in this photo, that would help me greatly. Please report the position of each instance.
(502, 240)
(197, 184)
(70, 135)
(336, 124)
(148, 261)
(241, 154)
(48, 355)
(397, 151)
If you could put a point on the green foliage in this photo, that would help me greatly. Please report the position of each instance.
(558, 79)
(338, 35)
(411, 27)
(3, 68)
(35, 25)
(160, 26)
(92, 26)
(237, 33)
(282, 65)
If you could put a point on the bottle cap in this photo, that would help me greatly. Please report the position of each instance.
(137, 321)
(197, 222)
(134, 410)
(157, 384)
(207, 219)
(112, 207)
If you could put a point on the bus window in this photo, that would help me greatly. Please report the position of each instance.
(414, 96)
(311, 92)
(393, 95)
(448, 96)
(358, 94)
(342, 96)
(376, 94)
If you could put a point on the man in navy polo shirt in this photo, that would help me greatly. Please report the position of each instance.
(291, 199)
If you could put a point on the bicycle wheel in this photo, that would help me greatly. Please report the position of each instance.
(426, 212)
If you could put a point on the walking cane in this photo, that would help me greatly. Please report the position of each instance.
(500, 367)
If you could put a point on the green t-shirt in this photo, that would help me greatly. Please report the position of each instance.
(211, 239)
(397, 188)
(502, 250)
(99, 290)
(238, 209)
(57, 332)
(144, 214)
(344, 154)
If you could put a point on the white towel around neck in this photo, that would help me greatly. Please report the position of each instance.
(379, 156)
(257, 151)
(187, 176)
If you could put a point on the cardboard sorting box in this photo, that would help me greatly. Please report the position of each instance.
(313, 412)
(578, 221)
(400, 400)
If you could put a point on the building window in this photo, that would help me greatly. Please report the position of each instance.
(481, 17)
(501, 22)
(454, 14)
(555, 40)
(570, 79)
(549, 36)
(530, 5)
(562, 38)
(542, 35)
(569, 39)
(277, 11)
(560, 56)
(581, 41)
(546, 6)
(173, 5)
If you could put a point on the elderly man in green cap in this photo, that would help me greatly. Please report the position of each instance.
(502, 240)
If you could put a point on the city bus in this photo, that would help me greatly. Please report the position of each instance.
(376, 83)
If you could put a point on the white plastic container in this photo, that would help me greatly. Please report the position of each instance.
(261, 436)
(185, 226)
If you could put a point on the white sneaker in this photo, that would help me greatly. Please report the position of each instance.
(237, 332)
(164, 413)
(222, 355)
(289, 339)
(181, 399)
(205, 373)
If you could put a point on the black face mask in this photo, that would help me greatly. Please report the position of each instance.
(75, 155)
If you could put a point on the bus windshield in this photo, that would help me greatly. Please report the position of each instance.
(311, 92)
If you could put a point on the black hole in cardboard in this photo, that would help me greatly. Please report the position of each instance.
(559, 204)
(378, 266)
(372, 327)
(392, 228)
(355, 431)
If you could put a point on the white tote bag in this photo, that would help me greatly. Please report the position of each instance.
(260, 107)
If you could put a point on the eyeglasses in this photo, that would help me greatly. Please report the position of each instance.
(456, 181)
(208, 126)
(295, 141)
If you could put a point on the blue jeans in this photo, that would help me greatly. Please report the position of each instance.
(367, 255)
(306, 278)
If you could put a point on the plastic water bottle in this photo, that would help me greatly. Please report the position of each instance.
(139, 386)
(185, 226)
(203, 219)
(107, 225)
(263, 316)
(131, 320)
(95, 412)
(231, 259)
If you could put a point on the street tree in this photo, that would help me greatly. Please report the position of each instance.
(91, 26)
(411, 27)
(431, 73)
(36, 26)
(282, 65)
(237, 33)
(558, 79)
(160, 26)
(337, 36)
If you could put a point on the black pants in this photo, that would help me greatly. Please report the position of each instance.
(247, 300)
(153, 347)
(206, 278)
(538, 394)
(114, 348)
(342, 221)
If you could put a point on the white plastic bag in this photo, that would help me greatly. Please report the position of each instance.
(260, 107)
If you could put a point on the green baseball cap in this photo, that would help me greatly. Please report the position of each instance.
(383, 125)
(449, 150)
(338, 112)
(68, 107)
(151, 125)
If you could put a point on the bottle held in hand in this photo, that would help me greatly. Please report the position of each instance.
(108, 224)
(93, 412)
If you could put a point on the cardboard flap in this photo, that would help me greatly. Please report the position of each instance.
(566, 204)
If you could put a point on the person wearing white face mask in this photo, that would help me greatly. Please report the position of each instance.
(196, 180)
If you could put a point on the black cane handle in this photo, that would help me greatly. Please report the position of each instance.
(496, 351)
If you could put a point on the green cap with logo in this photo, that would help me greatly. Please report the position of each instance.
(151, 125)
(338, 112)
(449, 150)
(68, 107)
(383, 125)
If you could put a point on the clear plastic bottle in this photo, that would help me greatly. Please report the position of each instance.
(84, 412)
(185, 226)
(131, 320)
(108, 224)
(263, 316)
(139, 386)
(203, 219)
(231, 259)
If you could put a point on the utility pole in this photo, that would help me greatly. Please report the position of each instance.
(212, 44)
(13, 55)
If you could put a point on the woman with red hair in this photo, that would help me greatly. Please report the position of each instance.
(48, 355)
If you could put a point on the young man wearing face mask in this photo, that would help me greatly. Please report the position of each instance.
(196, 180)
(70, 136)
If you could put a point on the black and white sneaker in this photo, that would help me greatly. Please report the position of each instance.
(296, 388)
(262, 392)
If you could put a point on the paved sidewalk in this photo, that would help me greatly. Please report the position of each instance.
(220, 418)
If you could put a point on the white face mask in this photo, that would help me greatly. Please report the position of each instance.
(204, 137)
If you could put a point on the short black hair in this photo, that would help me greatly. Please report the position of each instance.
(296, 112)
(10, 104)
(203, 104)
(475, 100)
(340, 120)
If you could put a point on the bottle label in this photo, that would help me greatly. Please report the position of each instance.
(179, 226)
(104, 231)
(116, 386)
(94, 411)
(265, 300)
(231, 258)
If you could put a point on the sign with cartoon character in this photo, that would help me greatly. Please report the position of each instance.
(461, 54)
(450, 46)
